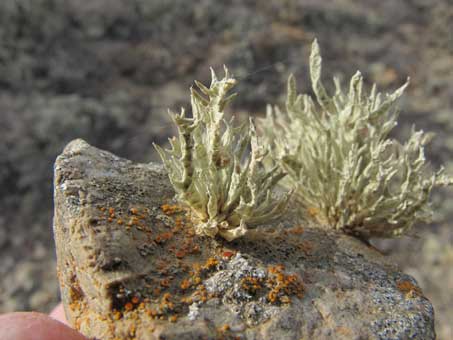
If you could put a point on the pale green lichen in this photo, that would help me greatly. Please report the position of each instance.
(226, 189)
(350, 175)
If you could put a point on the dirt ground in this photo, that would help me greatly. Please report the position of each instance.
(107, 70)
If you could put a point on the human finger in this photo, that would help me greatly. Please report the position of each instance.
(36, 326)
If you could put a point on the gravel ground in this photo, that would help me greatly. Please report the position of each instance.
(108, 70)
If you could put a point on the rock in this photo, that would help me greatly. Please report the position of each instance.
(130, 267)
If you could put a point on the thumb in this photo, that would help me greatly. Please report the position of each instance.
(35, 326)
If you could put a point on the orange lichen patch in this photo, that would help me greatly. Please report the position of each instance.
(165, 303)
(78, 323)
(187, 300)
(75, 292)
(277, 269)
(76, 301)
(409, 289)
(166, 296)
(252, 284)
(75, 306)
(173, 318)
(201, 294)
(211, 262)
(152, 313)
(185, 284)
(272, 296)
(134, 211)
(163, 237)
(224, 328)
(187, 247)
(116, 314)
(283, 285)
(120, 221)
(298, 230)
(112, 212)
(170, 209)
(133, 221)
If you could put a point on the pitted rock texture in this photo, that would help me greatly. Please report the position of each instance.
(131, 267)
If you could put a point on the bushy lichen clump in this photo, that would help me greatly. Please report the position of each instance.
(350, 175)
(226, 188)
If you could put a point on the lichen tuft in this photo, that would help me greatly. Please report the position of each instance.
(350, 175)
(226, 189)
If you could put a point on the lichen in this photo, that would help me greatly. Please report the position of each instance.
(226, 189)
(350, 175)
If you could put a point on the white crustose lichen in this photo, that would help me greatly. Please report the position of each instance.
(350, 175)
(226, 189)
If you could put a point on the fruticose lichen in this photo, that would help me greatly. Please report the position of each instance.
(226, 189)
(350, 175)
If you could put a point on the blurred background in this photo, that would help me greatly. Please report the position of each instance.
(107, 70)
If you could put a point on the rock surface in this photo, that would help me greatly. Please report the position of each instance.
(130, 267)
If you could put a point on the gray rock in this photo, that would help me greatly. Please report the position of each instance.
(130, 267)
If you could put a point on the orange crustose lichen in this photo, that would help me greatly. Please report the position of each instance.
(170, 209)
(409, 289)
(283, 285)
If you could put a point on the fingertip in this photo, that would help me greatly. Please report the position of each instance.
(58, 313)
(36, 326)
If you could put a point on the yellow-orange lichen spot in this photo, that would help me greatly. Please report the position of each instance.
(163, 237)
(116, 315)
(224, 328)
(409, 289)
(185, 284)
(170, 209)
(211, 263)
(283, 285)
